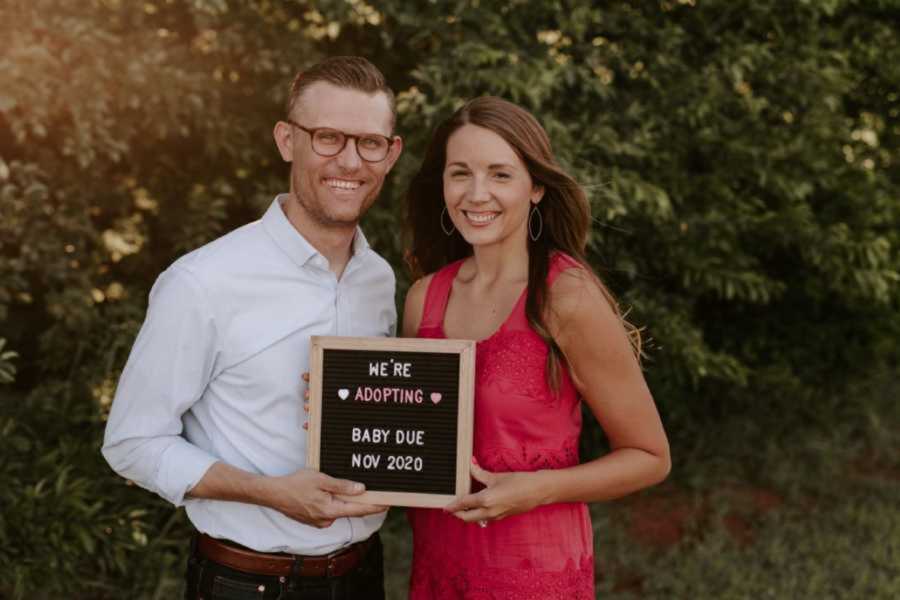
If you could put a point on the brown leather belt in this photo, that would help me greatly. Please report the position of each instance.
(260, 563)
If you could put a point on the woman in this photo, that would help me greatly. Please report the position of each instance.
(502, 230)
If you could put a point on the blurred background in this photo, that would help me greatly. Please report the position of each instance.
(741, 159)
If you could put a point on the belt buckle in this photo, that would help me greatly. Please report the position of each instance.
(330, 566)
(331, 560)
(297, 567)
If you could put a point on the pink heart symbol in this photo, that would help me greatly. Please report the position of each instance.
(435, 397)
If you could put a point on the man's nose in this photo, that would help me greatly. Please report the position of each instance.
(349, 158)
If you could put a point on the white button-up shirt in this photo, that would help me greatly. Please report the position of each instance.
(214, 374)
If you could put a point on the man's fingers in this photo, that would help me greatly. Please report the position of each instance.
(305, 377)
(341, 486)
(356, 509)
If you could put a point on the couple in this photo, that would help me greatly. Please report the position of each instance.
(208, 412)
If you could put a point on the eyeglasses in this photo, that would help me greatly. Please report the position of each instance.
(371, 147)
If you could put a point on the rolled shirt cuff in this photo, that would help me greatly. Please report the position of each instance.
(182, 467)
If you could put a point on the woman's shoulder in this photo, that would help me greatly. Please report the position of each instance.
(574, 288)
(561, 261)
(420, 286)
(426, 296)
(566, 270)
(414, 305)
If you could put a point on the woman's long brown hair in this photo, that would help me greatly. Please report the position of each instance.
(564, 209)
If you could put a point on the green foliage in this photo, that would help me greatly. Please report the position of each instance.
(65, 513)
(740, 159)
(129, 134)
(7, 368)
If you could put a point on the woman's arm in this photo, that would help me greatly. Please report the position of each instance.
(608, 377)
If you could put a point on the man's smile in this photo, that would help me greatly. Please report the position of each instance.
(342, 184)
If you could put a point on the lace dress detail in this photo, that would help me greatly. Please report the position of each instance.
(514, 361)
(520, 425)
(528, 459)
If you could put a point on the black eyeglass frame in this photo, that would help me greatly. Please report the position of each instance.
(347, 136)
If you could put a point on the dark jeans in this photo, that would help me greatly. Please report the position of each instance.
(207, 580)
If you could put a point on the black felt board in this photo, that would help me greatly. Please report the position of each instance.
(376, 404)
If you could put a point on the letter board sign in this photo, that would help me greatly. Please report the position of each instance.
(394, 414)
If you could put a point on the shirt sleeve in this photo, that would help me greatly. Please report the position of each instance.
(167, 371)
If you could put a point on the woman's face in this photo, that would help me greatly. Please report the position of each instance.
(487, 188)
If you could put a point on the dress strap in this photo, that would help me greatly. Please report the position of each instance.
(559, 262)
(438, 295)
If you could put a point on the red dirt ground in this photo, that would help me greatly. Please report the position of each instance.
(663, 518)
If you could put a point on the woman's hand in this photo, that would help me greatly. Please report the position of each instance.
(505, 494)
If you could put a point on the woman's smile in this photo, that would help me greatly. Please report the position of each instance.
(478, 218)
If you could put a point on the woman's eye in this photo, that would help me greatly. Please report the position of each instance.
(502, 175)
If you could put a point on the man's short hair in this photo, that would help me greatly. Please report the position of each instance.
(353, 72)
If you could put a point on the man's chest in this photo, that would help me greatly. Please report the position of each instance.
(267, 335)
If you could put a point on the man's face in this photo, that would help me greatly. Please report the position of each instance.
(335, 191)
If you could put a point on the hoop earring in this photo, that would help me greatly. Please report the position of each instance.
(448, 231)
(531, 226)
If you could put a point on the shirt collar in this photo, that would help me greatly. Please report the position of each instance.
(292, 242)
(360, 243)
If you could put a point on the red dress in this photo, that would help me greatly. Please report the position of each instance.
(520, 425)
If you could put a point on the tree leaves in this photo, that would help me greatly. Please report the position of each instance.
(7, 366)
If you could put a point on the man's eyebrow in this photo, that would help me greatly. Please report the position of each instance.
(344, 131)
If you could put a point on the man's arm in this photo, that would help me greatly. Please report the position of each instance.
(170, 365)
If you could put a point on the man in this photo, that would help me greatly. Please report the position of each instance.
(209, 409)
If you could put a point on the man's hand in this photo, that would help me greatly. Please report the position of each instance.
(309, 497)
(305, 495)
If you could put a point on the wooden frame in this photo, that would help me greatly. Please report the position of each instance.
(466, 378)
